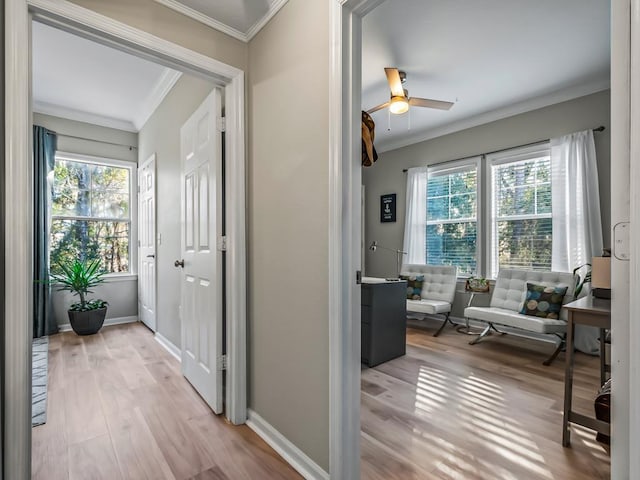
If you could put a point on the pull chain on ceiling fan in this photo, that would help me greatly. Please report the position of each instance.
(400, 100)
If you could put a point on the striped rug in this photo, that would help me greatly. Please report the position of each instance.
(39, 381)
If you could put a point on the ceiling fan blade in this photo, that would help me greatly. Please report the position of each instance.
(427, 102)
(378, 107)
(395, 84)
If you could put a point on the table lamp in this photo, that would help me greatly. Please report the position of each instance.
(374, 246)
(601, 277)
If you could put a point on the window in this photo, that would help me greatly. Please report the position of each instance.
(521, 222)
(91, 212)
(450, 221)
(452, 206)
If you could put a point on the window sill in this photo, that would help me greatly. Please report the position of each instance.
(120, 277)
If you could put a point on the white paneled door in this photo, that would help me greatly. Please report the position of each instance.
(201, 262)
(147, 242)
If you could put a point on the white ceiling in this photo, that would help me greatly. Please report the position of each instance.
(494, 58)
(241, 19)
(82, 80)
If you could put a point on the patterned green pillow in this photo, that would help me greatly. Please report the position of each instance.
(414, 286)
(543, 301)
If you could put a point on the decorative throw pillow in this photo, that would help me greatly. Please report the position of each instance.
(414, 286)
(543, 301)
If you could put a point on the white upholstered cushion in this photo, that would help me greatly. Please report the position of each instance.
(510, 318)
(510, 289)
(439, 281)
(428, 306)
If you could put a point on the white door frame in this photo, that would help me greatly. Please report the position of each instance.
(18, 190)
(625, 113)
(344, 242)
(344, 235)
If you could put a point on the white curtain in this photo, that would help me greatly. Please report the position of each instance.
(415, 226)
(577, 224)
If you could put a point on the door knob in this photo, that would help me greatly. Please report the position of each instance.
(151, 256)
(179, 263)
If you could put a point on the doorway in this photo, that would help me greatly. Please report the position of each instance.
(347, 20)
(82, 22)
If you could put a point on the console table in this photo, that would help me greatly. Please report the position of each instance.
(595, 312)
(384, 320)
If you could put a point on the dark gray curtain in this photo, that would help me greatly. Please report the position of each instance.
(44, 151)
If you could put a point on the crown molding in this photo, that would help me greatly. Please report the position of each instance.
(223, 27)
(205, 19)
(160, 90)
(85, 117)
(273, 9)
(499, 114)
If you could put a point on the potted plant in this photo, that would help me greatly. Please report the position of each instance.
(86, 316)
(477, 284)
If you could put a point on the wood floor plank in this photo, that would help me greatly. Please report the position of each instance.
(395, 465)
(114, 391)
(93, 459)
(49, 452)
(83, 408)
(183, 451)
(188, 404)
(161, 371)
(98, 354)
(56, 378)
(116, 336)
(238, 451)
(74, 357)
(134, 373)
(213, 473)
(138, 454)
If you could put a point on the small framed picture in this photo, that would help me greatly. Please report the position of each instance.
(388, 208)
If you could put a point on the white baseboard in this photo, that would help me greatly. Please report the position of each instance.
(66, 327)
(168, 346)
(287, 450)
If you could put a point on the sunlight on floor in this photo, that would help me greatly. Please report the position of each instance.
(479, 410)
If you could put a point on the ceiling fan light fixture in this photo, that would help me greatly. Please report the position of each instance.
(398, 105)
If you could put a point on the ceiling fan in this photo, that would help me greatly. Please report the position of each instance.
(400, 100)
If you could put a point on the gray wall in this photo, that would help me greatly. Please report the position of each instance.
(288, 225)
(161, 135)
(121, 292)
(386, 175)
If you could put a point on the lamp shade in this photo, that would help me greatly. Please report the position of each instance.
(601, 272)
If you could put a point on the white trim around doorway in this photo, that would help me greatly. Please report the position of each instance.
(345, 181)
(18, 188)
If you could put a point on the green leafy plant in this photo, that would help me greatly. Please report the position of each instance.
(582, 280)
(79, 277)
(477, 284)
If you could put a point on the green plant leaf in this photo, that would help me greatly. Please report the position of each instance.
(78, 278)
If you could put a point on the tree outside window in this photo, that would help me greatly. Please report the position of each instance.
(91, 218)
(523, 224)
(452, 218)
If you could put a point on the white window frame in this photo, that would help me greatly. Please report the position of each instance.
(517, 154)
(455, 166)
(133, 206)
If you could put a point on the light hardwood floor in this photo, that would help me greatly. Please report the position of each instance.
(118, 408)
(448, 410)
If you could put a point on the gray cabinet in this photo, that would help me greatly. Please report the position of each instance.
(384, 320)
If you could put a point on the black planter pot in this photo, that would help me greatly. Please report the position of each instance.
(87, 323)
